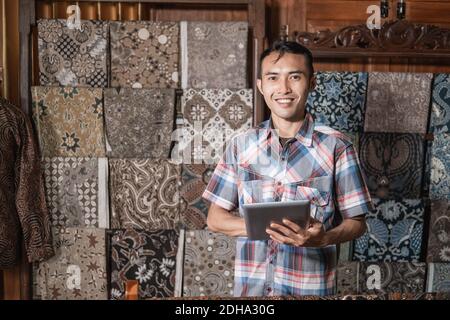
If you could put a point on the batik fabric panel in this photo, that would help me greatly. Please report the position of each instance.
(438, 249)
(69, 121)
(74, 57)
(438, 279)
(440, 108)
(440, 167)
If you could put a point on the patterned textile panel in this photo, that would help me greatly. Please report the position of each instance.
(76, 191)
(144, 194)
(73, 57)
(346, 251)
(398, 102)
(380, 278)
(440, 110)
(145, 54)
(208, 264)
(338, 101)
(438, 279)
(394, 232)
(215, 55)
(139, 122)
(392, 164)
(440, 167)
(69, 121)
(438, 249)
(211, 117)
(77, 271)
(148, 257)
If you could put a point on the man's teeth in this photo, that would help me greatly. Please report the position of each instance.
(285, 100)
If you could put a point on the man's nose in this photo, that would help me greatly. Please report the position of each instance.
(284, 86)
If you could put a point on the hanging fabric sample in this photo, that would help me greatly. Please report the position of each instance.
(440, 108)
(438, 249)
(438, 279)
(440, 167)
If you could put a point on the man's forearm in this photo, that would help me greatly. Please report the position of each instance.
(220, 220)
(348, 230)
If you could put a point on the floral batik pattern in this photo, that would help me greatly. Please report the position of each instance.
(211, 118)
(440, 167)
(392, 164)
(69, 121)
(338, 101)
(139, 122)
(145, 54)
(148, 257)
(438, 279)
(77, 271)
(216, 55)
(208, 264)
(440, 108)
(438, 249)
(144, 194)
(75, 197)
(394, 232)
(398, 102)
(72, 57)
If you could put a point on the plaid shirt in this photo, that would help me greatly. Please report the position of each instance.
(320, 165)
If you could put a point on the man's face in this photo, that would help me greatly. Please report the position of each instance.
(285, 85)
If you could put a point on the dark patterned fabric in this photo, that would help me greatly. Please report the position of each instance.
(145, 54)
(398, 102)
(392, 164)
(438, 279)
(216, 56)
(338, 101)
(394, 232)
(139, 122)
(23, 210)
(439, 232)
(148, 257)
(440, 167)
(78, 269)
(440, 112)
(381, 278)
(74, 57)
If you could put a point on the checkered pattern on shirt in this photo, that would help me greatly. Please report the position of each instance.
(321, 165)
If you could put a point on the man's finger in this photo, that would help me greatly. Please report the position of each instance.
(274, 235)
(283, 230)
(294, 227)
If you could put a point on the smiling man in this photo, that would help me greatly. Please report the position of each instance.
(289, 157)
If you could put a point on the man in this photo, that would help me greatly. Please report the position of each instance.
(289, 157)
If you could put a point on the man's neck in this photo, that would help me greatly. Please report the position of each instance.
(287, 128)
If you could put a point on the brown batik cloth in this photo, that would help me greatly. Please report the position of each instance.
(69, 121)
(74, 57)
(439, 233)
(145, 54)
(214, 55)
(76, 191)
(208, 264)
(77, 271)
(139, 122)
(211, 118)
(398, 102)
(144, 194)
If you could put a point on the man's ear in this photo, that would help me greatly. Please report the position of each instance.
(259, 85)
(312, 83)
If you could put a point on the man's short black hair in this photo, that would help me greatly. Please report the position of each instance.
(283, 47)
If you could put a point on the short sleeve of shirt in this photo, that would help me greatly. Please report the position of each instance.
(222, 188)
(352, 195)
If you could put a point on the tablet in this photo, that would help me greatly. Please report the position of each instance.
(259, 216)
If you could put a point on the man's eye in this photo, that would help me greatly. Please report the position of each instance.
(271, 78)
(295, 77)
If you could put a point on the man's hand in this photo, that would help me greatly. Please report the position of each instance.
(292, 234)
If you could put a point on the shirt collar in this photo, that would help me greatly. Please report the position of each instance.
(304, 135)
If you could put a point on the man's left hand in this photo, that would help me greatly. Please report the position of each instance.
(292, 234)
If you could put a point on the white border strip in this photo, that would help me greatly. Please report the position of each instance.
(103, 201)
(184, 54)
(430, 277)
(180, 265)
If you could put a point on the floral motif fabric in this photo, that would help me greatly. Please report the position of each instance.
(338, 101)
(440, 167)
(69, 121)
(208, 264)
(144, 194)
(398, 102)
(139, 122)
(149, 257)
(75, 195)
(72, 57)
(438, 279)
(394, 232)
(145, 54)
(77, 271)
(392, 164)
(440, 108)
(216, 55)
(438, 249)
